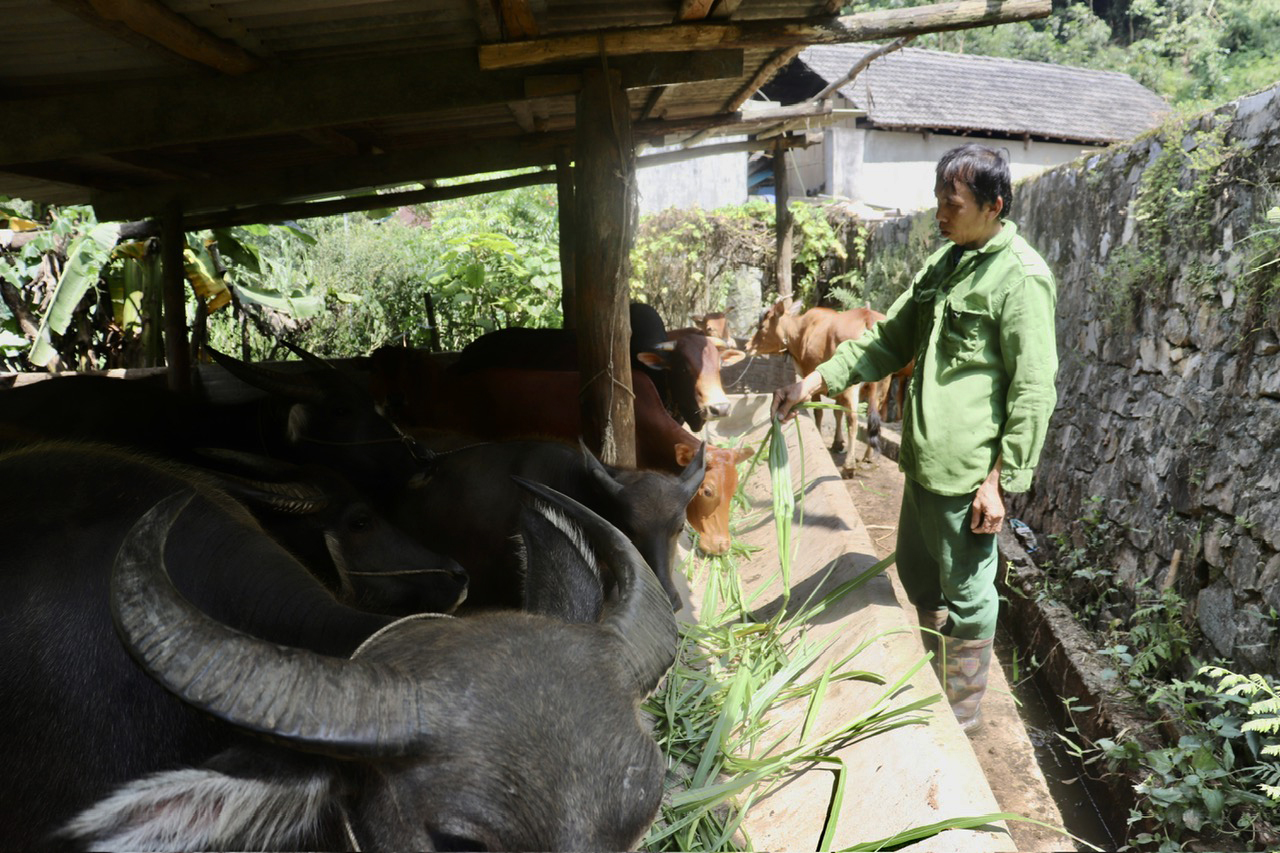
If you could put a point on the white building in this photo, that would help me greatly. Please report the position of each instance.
(913, 105)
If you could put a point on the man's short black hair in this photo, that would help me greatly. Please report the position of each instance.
(983, 170)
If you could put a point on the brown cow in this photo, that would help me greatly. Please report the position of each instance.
(701, 356)
(508, 403)
(810, 339)
(714, 324)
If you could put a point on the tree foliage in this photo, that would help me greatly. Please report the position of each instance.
(1194, 52)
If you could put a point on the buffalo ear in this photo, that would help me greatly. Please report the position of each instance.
(205, 809)
(685, 454)
(652, 359)
(731, 356)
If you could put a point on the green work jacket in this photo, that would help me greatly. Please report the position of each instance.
(980, 326)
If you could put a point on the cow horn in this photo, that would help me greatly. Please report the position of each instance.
(271, 381)
(693, 473)
(308, 358)
(664, 346)
(598, 472)
(331, 705)
(717, 342)
(639, 614)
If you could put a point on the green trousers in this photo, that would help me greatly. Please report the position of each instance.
(945, 565)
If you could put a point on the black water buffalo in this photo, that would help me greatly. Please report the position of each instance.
(468, 508)
(234, 704)
(352, 548)
(320, 416)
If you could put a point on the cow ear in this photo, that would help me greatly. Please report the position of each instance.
(205, 809)
(742, 454)
(794, 307)
(685, 454)
(731, 356)
(652, 359)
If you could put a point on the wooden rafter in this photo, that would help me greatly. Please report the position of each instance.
(276, 101)
(518, 21)
(865, 26)
(154, 21)
(487, 21)
(726, 8)
(694, 10)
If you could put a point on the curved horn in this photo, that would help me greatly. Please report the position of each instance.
(308, 358)
(342, 707)
(295, 498)
(598, 472)
(640, 613)
(271, 381)
(717, 342)
(664, 346)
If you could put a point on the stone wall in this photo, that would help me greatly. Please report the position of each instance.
(1168, 420)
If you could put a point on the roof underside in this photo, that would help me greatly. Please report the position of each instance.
(214, 105)
(932, 90)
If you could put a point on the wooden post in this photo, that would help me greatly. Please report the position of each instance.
(604, 218)
(783, 268)
(172, 241)
(564, 196)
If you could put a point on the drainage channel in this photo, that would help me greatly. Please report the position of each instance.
(1075, 793)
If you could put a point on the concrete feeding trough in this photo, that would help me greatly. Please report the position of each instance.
(907, 777)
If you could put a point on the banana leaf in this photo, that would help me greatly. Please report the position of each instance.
(86, 256)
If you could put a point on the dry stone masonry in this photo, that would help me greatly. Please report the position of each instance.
(1168, 420)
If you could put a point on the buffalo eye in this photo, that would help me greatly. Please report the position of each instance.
(449, 841)
(360, 521)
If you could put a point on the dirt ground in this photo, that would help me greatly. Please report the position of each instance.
(1003, 746)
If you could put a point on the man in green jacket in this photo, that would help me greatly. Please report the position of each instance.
(979, 321)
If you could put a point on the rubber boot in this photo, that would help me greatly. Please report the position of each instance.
(966, 664)
(934, 619)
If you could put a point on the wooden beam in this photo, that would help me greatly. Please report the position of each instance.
(518, 21)
(487, 21)
(153, 20)
(292, 99)
(783, 217)
(653, 107)
(172, 243)
(604, 179)
(762, 76)
(693, 10)
(522, 112)
(865, 26)
(666, 158)
(726, 8)
(565, 206)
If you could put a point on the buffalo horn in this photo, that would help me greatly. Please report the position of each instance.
(296, 388)
(308, 358)
(639, 613)
(326, 704)
(295, 498)
(599, 473)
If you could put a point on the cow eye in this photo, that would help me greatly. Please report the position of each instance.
(358, 522)
(708, 492)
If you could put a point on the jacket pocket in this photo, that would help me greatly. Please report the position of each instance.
(962, 334)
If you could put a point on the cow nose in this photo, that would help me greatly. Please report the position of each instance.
(713, 546)
(717, 410)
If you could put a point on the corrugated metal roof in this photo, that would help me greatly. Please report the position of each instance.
(914, 88)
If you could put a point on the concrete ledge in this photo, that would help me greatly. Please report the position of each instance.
(907, 777)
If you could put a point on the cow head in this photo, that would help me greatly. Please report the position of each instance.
(693, 363)
(708, 511)
(715, 324)
(776, 328)
(505, 731)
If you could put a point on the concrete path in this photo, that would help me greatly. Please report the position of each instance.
(911, 776)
